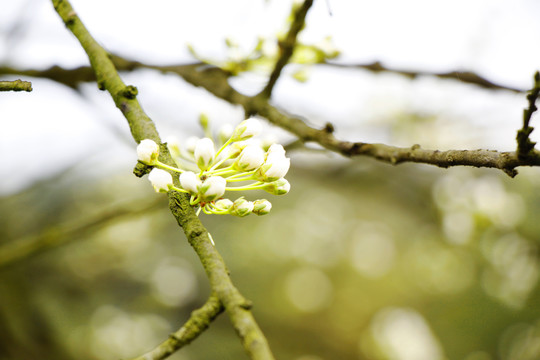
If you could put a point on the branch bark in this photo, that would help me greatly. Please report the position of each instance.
(16, 85)
(197, 323)
(524, 144)
(142, 127)
(287, 46)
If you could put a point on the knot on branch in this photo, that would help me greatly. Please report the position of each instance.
(129, 92)
(141, 169)
(329, 128)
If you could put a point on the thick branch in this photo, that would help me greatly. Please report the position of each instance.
(197, 323)
(287, 46)
(16, 85)
(524, 143)
(143, 128)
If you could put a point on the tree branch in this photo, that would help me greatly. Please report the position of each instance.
(215, 81)
(16, 85)
(141, 128)
(467, 77)
(287, 46)
(197, 323)
(524, 144)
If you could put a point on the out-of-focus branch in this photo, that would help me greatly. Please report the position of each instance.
(524, 143)
(16, 85)
(197, 323)
(142, 127)
(15, 251)
(287, 46)
(73, 77)
(215, 81)
(467, 77)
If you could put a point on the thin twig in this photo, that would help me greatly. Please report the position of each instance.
(141, 128)
(467, 77)
(524, 143)
(16, 85)
(287, 46)
(197, 323)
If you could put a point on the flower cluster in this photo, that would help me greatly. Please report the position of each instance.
(207, 174)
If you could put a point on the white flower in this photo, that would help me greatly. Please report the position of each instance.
(161, 180)
(148, 151)
(261, 207)
(275, 166)
(204, 153)
(212, 188)
(190, 182)
(241, 207)
(250, 158)
(247, 129)
(278, 187)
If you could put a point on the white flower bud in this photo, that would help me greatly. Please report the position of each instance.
(250, 158)
(223, 204)
(241, 207)
(275, 166)
(278, 187)
(225, 132)
(247, 129)
(204, 153)
(276, 148)
(161, 180)
(191, 142)
(213, 188)
(148, 151)
(190, 182)
(261, 207)
(173, 145)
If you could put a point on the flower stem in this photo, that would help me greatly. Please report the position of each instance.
(255, 185)
(168, 167)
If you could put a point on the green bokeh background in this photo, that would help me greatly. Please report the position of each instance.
(361, 260)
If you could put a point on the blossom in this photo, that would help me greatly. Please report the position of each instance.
(247, 129)
(278, 187)
(223, 204)
(148, 151)
(204, 153)
(161, 180)
(190, 181)
(250, 158)
(275, 166)
(261, 207)
(242, 207)
(225, 133)
(212, 188)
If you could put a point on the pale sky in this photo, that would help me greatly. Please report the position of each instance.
(53, 127)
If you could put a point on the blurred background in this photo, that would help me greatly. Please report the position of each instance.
(361, 260)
